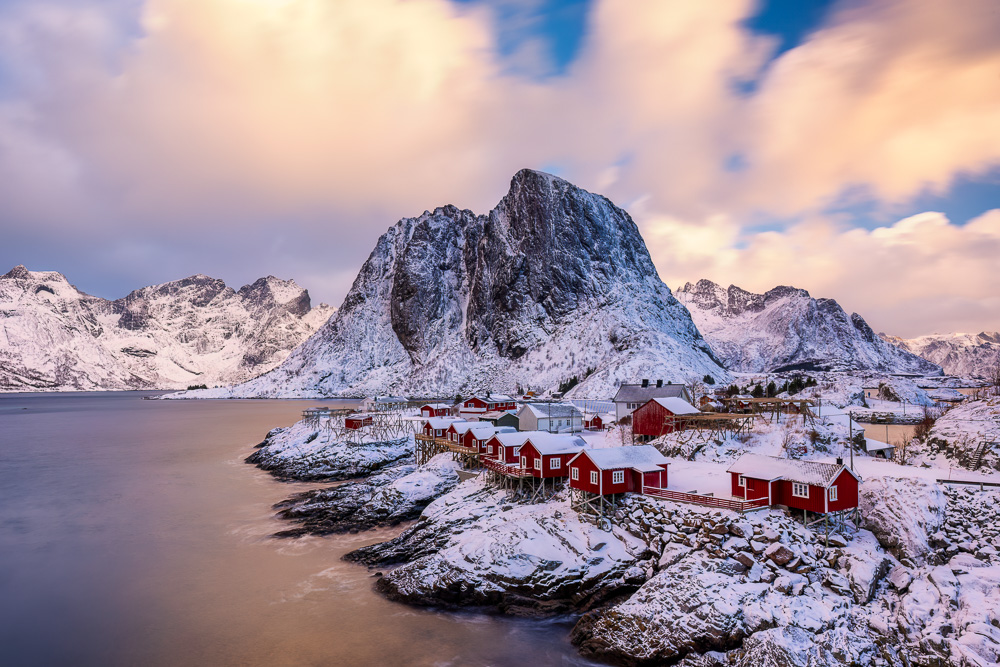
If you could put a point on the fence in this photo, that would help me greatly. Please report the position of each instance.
(709, 501)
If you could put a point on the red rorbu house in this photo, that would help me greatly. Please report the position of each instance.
(506, 447)
(354, 422)
(436, 427)
(650, 420)
(618, 470)
(593, 423)
(473, 435)
(435, 410)
(478, 405)
(547, 455)
(810, 486)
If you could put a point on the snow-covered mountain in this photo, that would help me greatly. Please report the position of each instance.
(786, 329)
(965, 355)
(552, 282)
(190, 331)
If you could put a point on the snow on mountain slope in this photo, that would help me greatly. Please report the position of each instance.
(965, 355)
(190, 331)
(552, 282)
(786, 329)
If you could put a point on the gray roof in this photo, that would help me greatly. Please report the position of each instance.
(636, 393)
(557, 410)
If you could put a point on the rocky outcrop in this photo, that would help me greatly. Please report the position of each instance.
(195, 331)
(554, 282)
(304, 452)
(470, 548)
(385, 499)
(902, 514)
(964, 355)
(785, 329)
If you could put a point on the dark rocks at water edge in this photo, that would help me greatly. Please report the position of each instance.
(385, 499)
(472, 548)
(303, 452)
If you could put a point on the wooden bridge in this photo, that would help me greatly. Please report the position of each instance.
(709, 501)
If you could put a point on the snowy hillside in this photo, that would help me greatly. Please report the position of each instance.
(552, 282)
(190, 331)
(965, 355)
(786, 329)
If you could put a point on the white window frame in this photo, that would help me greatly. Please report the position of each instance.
(538, 464)
(574, 474)
(800, 490)
(491, 449)
(742, 483)
(618, 477)
(833, 493)
(524, 462)
(594, 477)
(555, 463)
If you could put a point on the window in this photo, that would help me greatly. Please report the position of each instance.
(742, 482)
(593, 477)
(491, 449)
(833, 493)
(524, 461)
(574, 473)
(618, 477)
(555, 462)
(538, 464)
(800, 490)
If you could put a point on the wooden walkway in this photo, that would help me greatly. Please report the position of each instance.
(709, 501)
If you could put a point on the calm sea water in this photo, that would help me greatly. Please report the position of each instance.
(132, 533)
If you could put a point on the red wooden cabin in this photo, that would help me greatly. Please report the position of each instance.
(650, 419)
(618, 470)
(805, 485)
(436, 427)
(354, 422)
(594, 423)
(435, 410)
(482, 404)
(506, 447)
(547, 455)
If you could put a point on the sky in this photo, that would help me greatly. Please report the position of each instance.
(847, 147)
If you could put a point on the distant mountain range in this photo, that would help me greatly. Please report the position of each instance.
(785, 329)
(186, 332)
(965, 355)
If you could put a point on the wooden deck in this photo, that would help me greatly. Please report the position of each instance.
(505, 469)
(709, 501)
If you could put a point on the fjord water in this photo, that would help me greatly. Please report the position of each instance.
(132, 533)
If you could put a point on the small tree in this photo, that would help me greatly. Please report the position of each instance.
(772, 389)
(708, 379)
(758, 391)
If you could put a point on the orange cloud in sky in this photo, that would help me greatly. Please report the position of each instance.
(342, 116)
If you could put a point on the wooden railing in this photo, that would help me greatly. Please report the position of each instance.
(708, 501)
(504, 469)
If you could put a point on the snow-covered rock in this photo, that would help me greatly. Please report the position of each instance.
(385, 499)
(472, 548)
(554, 282)
(304, 451)
(965, 355)
(785, 329)
(961, 432)
(902, 514)
(187, 332)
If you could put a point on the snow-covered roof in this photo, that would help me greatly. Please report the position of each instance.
(388, 399)
(493, 398)
(515, 439)
(442, 422)
(636, 393)
(772, 468)
(435, 406)
(497, 414)
(554, 443)
(877, 445)
(645, 458)
(678, 406)
(462, 427)
(557, 410)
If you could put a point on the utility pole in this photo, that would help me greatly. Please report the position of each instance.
(850, 423)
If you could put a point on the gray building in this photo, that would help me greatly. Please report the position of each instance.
(631, 396)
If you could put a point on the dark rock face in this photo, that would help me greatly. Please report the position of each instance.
(785, 329)
(553, 282)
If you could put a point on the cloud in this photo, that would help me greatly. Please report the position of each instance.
(920, 275)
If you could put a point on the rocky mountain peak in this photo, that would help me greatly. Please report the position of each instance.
(19, 272)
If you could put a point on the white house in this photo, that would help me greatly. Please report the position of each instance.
(550, 417)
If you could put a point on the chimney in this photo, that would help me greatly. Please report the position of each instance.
(645, 383)
(840, 461)
(659, 383)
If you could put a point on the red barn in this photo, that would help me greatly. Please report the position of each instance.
(506, 447)
(650, 419)
(478, 405)
(435, 410)
(548, 454)
(618, 470)
(354, 422)
(806, 485)
(436, 427)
